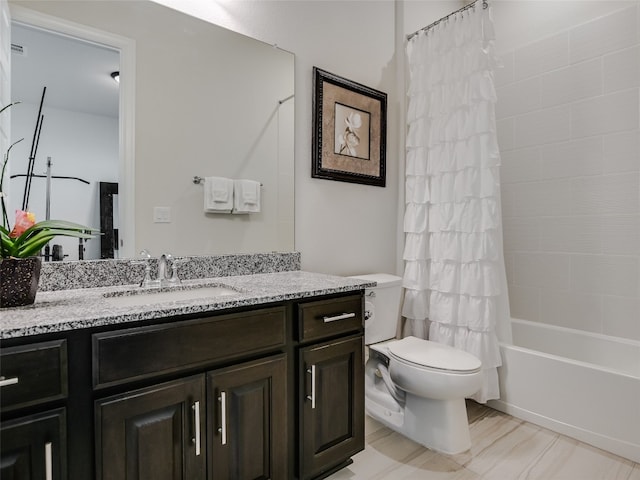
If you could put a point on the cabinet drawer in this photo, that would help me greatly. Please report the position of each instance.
(145, 352)
(33, 374)
(325, 318)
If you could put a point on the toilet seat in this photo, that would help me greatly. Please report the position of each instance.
(433, 356)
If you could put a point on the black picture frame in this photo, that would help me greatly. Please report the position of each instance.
(349, 140)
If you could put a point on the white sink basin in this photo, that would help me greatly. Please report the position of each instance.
(148, 297)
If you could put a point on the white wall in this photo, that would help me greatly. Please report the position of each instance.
(569, 129)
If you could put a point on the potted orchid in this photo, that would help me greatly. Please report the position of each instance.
(20, 247)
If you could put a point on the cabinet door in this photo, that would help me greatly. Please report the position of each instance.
(34, 447)
(155, 433)
(331, 426)
(248, 420)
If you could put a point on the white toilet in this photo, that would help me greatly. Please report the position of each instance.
(415, 386)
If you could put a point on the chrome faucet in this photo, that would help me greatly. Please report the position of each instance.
(163, 276)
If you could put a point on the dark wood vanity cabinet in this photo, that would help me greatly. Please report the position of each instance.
(33, 385)
(152, 433)
(225, 422)
(235, 424)
(34, 447)
(332, 417)
(247, 415)
(331, 375)
(274, 392)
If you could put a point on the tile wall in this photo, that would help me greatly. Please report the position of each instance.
(568, 118)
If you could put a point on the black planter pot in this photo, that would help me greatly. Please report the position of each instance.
(19, 281)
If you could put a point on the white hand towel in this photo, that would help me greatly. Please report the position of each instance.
(218, 195)
(246, 198)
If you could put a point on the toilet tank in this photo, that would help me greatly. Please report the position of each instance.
(382, 307)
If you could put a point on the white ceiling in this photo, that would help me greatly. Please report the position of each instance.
(77, 74)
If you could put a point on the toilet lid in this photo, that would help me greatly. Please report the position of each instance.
(433, 355)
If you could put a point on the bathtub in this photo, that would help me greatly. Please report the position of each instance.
(580, 384)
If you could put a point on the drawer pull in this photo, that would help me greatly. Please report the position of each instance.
(338, 317)
(223, 417)
(312, 397)
(5, 382)
(48, 461)
(196, 419)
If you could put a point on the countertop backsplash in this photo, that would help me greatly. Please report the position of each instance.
(105, 273)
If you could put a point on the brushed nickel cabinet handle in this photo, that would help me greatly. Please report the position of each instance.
(312, 397)
(48, 461)
(5, 382)
(338, 317)
(196, 419)
(223, 417)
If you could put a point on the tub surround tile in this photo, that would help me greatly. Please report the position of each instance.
(518, 98)
(581, 234)
(621, 234)
(504, 75)
(605, 34)
(570, 168)
(623, 317)
(522, 165)
(521, 234)
(571, 83)
(505, 130)
(605, 274)
(524, 302)
(544, 271)
(571, 310)
(543, 126)
(572, 159)
(542, 56)
(606, 194)
(622, 70)
(605, 114)
(64, 310)
(622, 151)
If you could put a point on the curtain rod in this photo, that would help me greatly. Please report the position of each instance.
(431, 25)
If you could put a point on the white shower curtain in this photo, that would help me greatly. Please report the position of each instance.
(454, 279)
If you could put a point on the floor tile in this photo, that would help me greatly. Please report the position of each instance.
(503, 448)
(508, 456)
(635, 473)
(567, 458)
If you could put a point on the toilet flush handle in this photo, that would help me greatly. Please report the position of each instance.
(338, 317)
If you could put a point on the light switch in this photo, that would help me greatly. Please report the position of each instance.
(161, 214)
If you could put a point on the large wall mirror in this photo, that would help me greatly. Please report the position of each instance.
(194, 99)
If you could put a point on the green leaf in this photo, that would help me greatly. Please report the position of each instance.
(61, 227)
(36, 237)
(63, 224)
(33, 247)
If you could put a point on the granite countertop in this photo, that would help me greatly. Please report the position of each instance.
(62, 310)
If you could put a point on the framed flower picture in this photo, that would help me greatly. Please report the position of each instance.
(349, 130)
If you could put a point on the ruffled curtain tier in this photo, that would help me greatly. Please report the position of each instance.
(454, 264)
